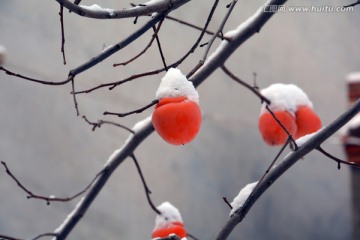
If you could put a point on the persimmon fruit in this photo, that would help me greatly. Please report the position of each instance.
(270, 129)
(177, 120)
(172, 228)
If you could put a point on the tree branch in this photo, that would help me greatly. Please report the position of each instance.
(140, 110)
(289, 161)
(61, 13)
(353, 4)
(146, 188)
(49, 198)
(143, 10)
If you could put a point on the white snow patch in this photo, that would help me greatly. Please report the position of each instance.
(108, 47)
(354, 123)
(285, 97)
(301, 141)
(154, 1)
(353, 77)
(245, 24)
(175, 84)
(169, 214)
(141, 124)
(97, 8)
(241, 198)
(218, 50)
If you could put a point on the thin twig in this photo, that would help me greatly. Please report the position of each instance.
(99, 123)
(248, 86)
(74, 96)
(10, 73)
(140, 110)
(227, 202)
(219, 31)
(146, 188)
(61, 13)
(49, 198)
(192, 236)
(196, 27)
(281, 125)
(338, 160)
(160, 49)
(353, 4)
(44, 235)
(144, 50)
(5, 237)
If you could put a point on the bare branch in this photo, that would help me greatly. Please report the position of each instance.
(226, 48)
(282, 167)
(113, 49)
(140, 110)
(194, 26)
(112, 85)
(61, 13)
(227, 202)
(49, 198)
(255, 90)
(10, 73)
(146, 188)
(74, 96)
(160, 49)
(353, 4)
(99, 123)
(143, 10)
(282, 126)
(338, 160)
(219, 31)
(144, 50)
(5, 237)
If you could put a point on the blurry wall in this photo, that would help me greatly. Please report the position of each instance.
(52, 151)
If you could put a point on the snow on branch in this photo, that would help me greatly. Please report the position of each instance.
(98, 12)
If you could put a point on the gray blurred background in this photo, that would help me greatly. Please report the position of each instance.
(52, 151)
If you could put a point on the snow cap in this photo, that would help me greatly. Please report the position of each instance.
(175, 84)
(169, 214)
(285, 97)
(241, 198)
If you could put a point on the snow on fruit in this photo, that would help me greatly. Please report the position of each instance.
(169, 222)
(177, 116)
(292, 108)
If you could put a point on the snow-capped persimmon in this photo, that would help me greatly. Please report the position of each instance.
(307, 121)
(168, 222)
(172, 228)
(177, 120)
(177, 116)
(272, 132)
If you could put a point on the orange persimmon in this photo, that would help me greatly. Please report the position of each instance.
(177, 120)
(307, 121)
(172, 228)
(270, 129)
